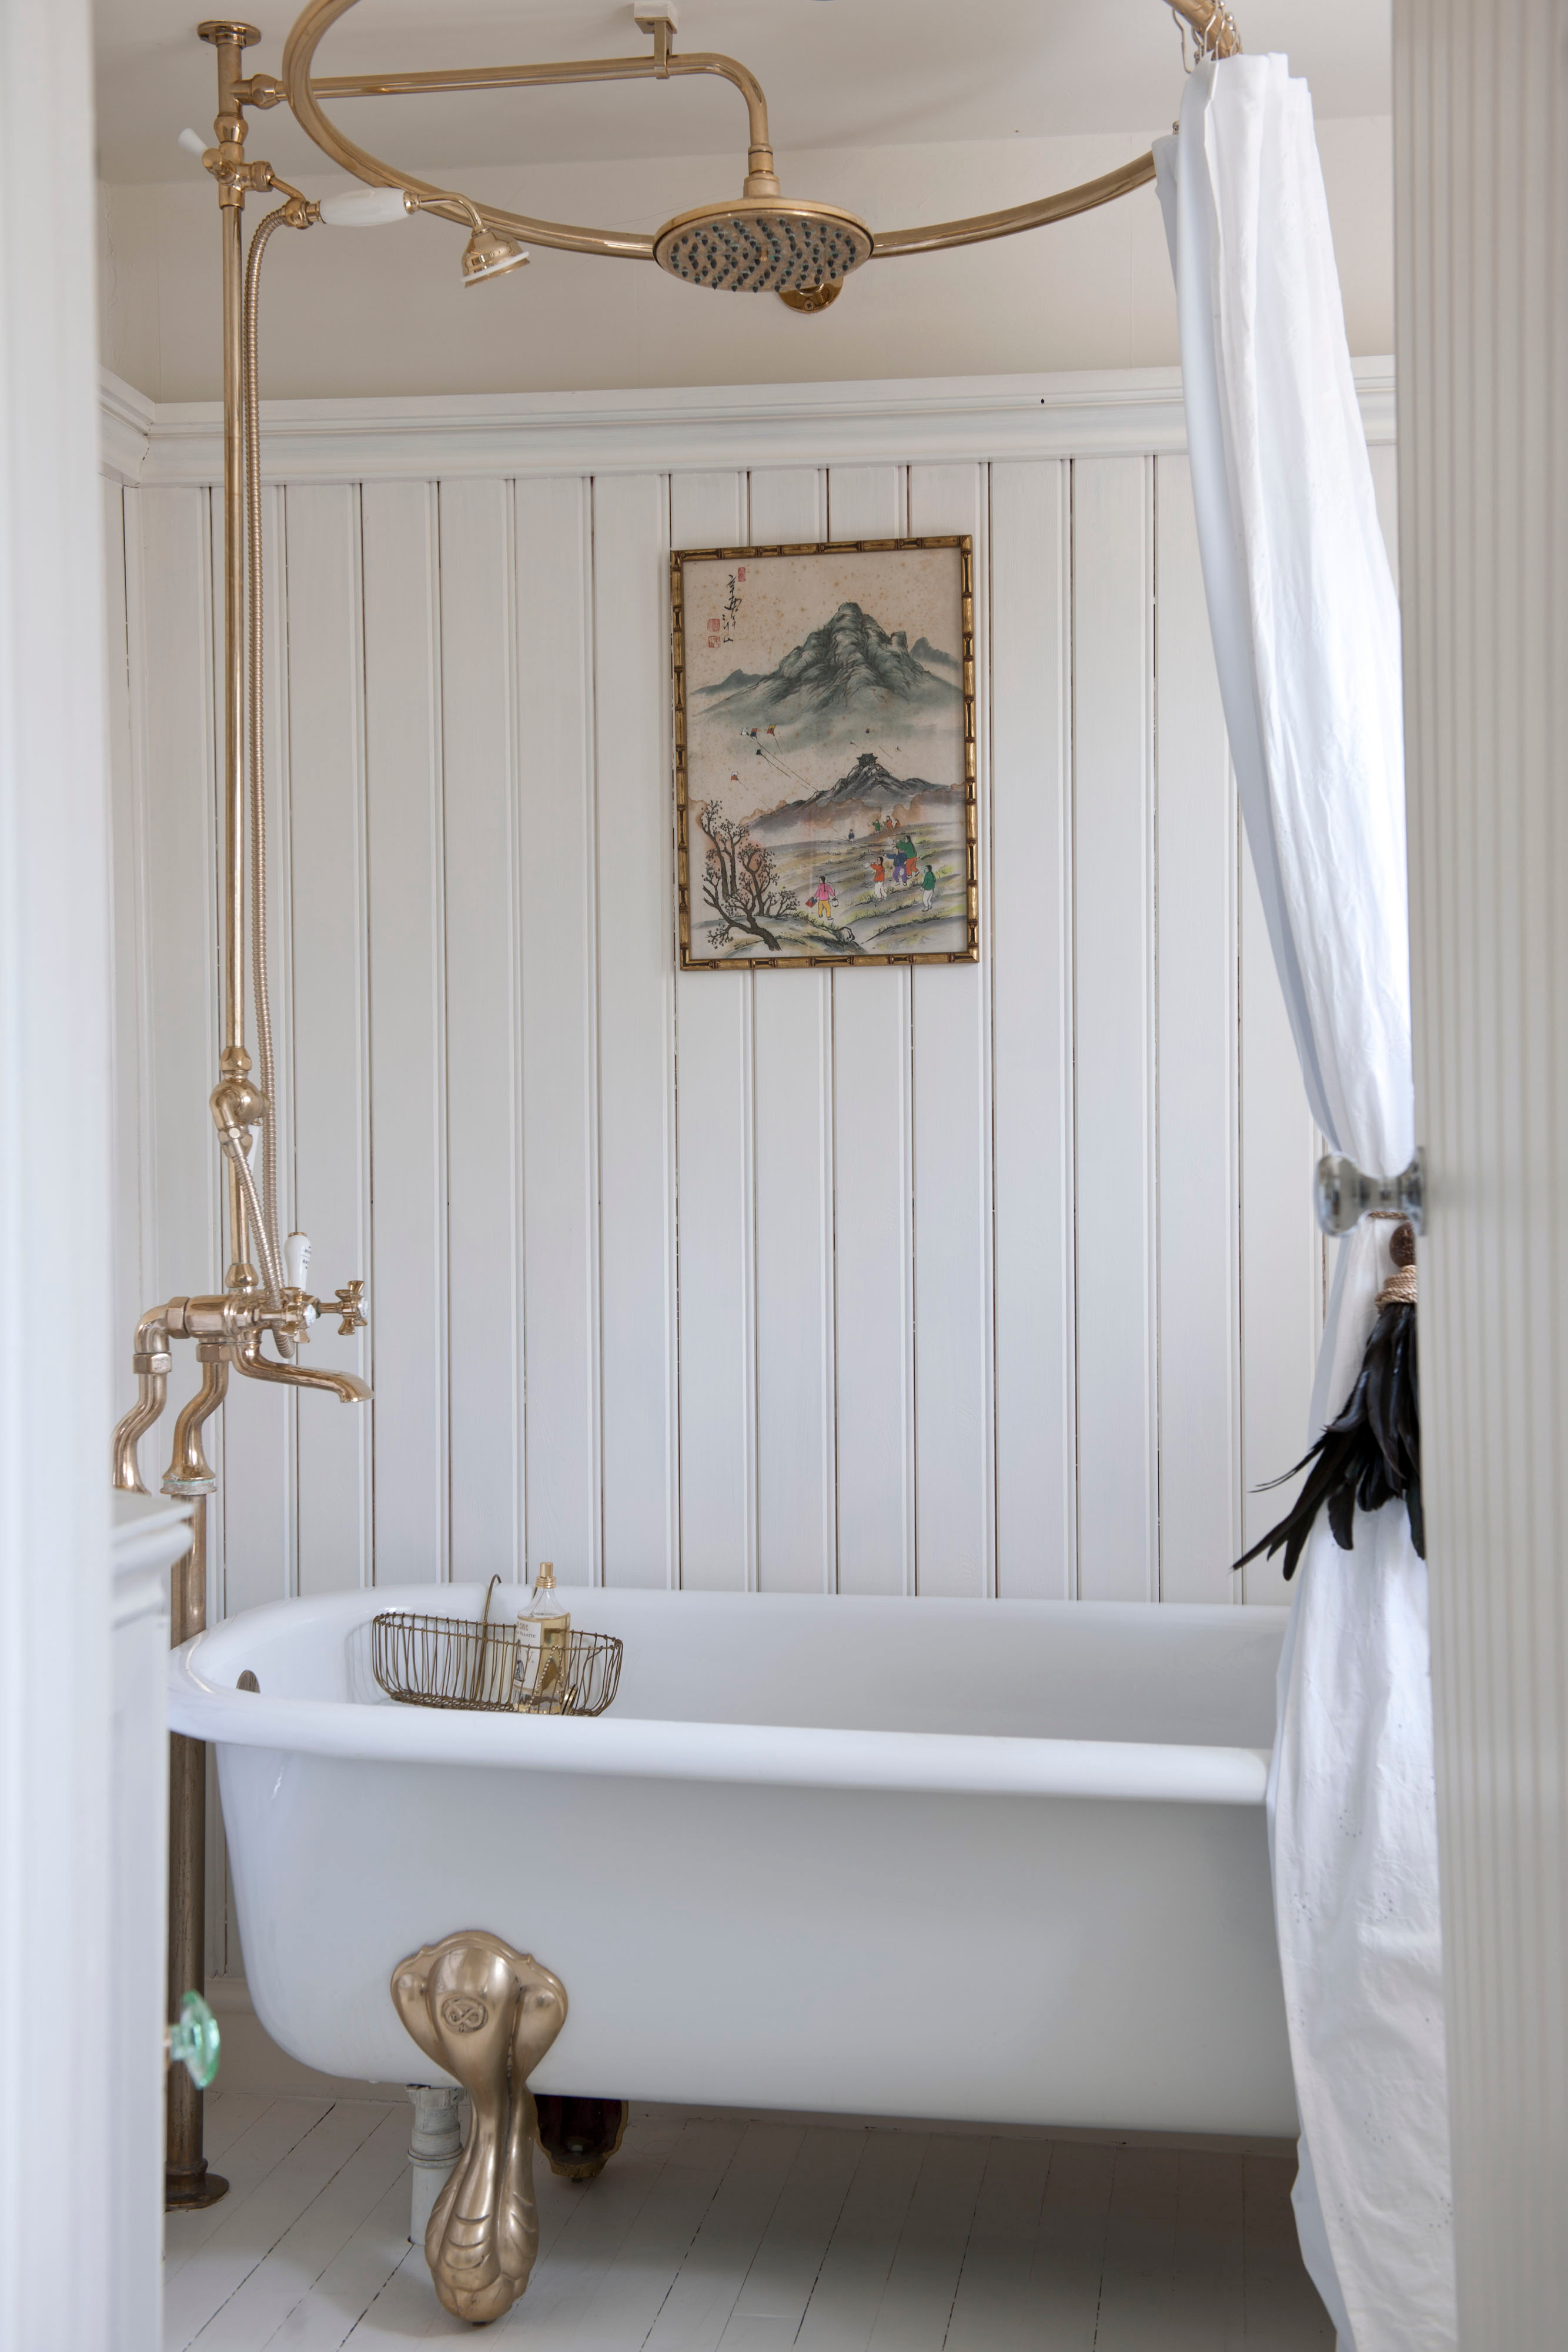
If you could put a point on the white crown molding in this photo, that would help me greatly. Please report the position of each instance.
(126, 420)
(1104, 412)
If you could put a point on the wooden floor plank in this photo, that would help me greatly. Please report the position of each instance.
(697, 2308)
(322, 2320)
(225, 2115)
(628, 2297)
(592, 2241)
(923, 2284)
(853, 2278)
(251, 2229)
(407, 2311)
(262, 2146)
(777, 2287)
(262, 2300)
(1069, 2262)
(992, 2309)
(759, 2334)
(1140, 2252)
(1208, 2310)
(1284, 2312)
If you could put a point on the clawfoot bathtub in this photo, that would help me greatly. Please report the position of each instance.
(1002, 1862)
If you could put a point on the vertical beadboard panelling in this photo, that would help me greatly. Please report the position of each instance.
(1482, 173)
(792, 1064)
(330, 1040)
(133, 1191)
(636, 1033)
(1282, 1253)
(1118, 1501)
(408, 1153)
(482, 914)
(1196, 956)
(713, 1136)
(1030, 886)
(955, 1482)
(260, 1420)
(873, 1210)
(557, 843)
(805, 1401)
(167, 587)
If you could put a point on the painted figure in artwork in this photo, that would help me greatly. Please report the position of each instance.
(839, 686)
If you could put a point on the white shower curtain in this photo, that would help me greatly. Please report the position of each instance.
(1306, 638)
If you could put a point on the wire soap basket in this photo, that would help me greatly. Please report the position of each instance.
(453, 1662)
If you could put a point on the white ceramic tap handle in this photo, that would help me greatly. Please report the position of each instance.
(364, 208)
(194, 143)
(297, 1260)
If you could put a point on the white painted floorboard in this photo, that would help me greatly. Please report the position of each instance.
(741, 2236)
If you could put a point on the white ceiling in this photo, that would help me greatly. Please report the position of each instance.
(838, 73)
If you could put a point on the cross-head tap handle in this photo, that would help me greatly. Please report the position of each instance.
(349, 1305)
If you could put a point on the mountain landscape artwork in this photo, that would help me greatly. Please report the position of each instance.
(824, 758)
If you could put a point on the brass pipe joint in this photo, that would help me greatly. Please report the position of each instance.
(188, 1474)
(152, 1364)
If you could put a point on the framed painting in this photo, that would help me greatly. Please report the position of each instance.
(824, 708)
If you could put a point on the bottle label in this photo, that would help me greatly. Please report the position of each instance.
(538, 1680)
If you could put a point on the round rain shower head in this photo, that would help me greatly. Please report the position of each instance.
(761, 244)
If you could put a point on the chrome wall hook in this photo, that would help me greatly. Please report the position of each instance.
(1345, 1193)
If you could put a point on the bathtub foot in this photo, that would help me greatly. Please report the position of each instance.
(580, 2136)
(487, 2015)
(434, 2146)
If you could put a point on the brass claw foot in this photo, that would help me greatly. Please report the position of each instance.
(488, 2014)
(579, 2136)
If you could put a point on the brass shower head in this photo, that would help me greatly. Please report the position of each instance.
(489, 253)
(762, 245)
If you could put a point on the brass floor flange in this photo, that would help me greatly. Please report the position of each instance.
(194, 2195)
(487, 2015)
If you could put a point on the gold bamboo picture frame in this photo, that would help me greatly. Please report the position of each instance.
(824, 754)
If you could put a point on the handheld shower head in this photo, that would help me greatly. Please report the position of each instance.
(489, 253)
(762, 245)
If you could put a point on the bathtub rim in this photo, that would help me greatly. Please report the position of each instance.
(928, 1762)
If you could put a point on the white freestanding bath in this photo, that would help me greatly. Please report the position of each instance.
(1001, 1862)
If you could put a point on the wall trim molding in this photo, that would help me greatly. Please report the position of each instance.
(1108, 412)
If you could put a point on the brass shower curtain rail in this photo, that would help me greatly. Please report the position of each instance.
(1213, 28)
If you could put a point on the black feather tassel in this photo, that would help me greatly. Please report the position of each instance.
(1372, 1453)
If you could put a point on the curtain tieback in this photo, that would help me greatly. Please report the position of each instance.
(1371, 1454)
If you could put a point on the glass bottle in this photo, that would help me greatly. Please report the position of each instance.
(539, 1684)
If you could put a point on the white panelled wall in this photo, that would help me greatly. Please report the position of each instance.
(991, 1279)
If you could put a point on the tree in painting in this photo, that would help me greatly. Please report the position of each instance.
(740, 881)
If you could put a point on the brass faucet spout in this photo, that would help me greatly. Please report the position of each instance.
(346, 1386)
